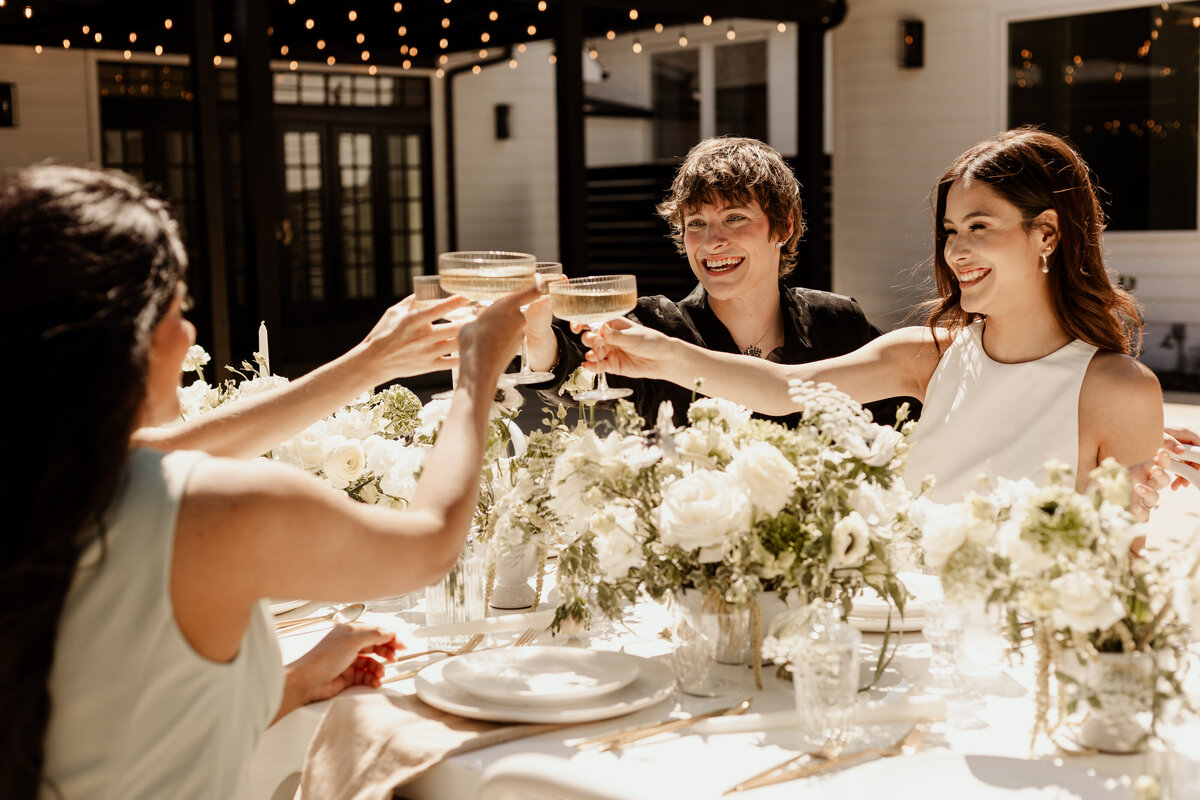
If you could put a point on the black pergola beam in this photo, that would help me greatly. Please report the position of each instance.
(210, 238)
(572, 169)
(260, 172)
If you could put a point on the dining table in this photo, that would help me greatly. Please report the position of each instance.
(992, 756)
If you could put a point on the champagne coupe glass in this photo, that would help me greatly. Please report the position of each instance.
(594, 301)
(550, 271)
(484, 276)
(427, 291)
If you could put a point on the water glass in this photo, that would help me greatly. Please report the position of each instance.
(825, 675)
(943, 629)
(458, 597)
(711, 647)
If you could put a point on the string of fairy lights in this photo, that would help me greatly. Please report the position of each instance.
(313, 16)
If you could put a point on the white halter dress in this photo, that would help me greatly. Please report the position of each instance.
(984, 418)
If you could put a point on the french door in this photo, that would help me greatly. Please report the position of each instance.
(356, 227)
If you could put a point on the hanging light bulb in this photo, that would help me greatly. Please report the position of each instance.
(521, 47)
(283, 51)
(320, 44)
(366, 55)
(158, 49)
(707, 20)
(353, 15)
(371, 70)
(658, 27)
(593, 54)
(28, 12)
(553, 59)
(493, 16)
(610, 35)
(637, 46)
(531, 30)
(216, 61)
(308, 23)
(87, 29)
(331, 61)
(443, 59)
(731, 34)
(362, 37)
(781, 27)
(541, 5)
(484, 37)
(483, 52)
(445, 22)
(132, 38)
(402, 30)
(441, 73)
(66, 44)
(38, 49)
(682, 39)
(633, 13)
(227, 38)
(167, 23)
(398, 7)
(293, 65)
(512, 63)
(475, 70)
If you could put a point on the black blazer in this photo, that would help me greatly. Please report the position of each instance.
(817, 325)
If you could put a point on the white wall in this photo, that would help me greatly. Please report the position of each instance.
(507, 190)
(56, 107)
(895, 130)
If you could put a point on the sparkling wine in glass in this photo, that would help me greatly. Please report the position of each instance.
(550, 271)
(594, 301)
(484, 276)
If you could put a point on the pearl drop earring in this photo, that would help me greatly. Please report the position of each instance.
(1046, 261)
(779, 245)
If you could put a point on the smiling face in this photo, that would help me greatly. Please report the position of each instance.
(730, 249)
(994, 255)
(169, 344)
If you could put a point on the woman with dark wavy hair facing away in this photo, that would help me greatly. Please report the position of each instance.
(1025, 355)
(137, 660)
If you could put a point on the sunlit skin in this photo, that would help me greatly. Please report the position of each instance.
(996, 258)
(732, 253)
(170, 341)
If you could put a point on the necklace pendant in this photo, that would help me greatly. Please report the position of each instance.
(753, 351)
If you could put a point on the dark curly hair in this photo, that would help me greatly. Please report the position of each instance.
(729, 169)
(1037, 171)
(91, 264)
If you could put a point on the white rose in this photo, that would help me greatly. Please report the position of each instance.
(370, 494)
(703, 511)
(432, 415)
(767, 476)
(305, 448)
(877, 505)
(1085, 602)
(616, 546)
(352, 423)
(725, 413)
(1025, 560)
(400, 479)
(258, 385)
(344, 461)
(851, 542)
(195, 358)
(196, 398)
(637, 455)
(705, 445)
(943, 529)
(581, 380)
(874, 445)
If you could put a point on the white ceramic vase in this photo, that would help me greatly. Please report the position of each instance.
(513, 570)
(1122, 685)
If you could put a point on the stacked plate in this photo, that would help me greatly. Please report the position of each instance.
(544, 684)
(871, 612)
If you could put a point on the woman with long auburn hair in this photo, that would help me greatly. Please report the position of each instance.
(138, 660)
(1026, 354)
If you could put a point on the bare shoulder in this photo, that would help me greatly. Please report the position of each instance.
(1120, 409)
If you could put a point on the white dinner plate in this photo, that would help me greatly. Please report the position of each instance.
(870, 611)
(654, 683)
(978, 777)
(540, 675)
(282, 606)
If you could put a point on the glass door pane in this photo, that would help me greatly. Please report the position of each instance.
(405, 210)
(304, 214)
(356, 210)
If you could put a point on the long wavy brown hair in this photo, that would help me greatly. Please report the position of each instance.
(90, 264)
(1037, 171)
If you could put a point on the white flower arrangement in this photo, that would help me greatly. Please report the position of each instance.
(1060, 561)
(731, 506)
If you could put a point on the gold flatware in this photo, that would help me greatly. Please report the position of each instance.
(611, 741)
(527, 637)
(831, 748)
(470, 645)
(907, 744)
(341, 616)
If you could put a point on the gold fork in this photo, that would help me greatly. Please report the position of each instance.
(830, 748)
(611, 741)
(907, 744)
(471, 644)
(527, 637)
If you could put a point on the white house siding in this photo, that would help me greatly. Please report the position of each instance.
(895, 130)
(507, 190)
(56, 107)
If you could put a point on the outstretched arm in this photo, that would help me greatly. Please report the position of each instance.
(899, 363)
(253, 529)
(401, 344)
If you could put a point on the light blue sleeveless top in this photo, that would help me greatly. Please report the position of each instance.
(136, 713)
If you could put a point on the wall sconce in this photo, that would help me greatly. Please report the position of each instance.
(912, 44)
(503, 128)
(8, 105)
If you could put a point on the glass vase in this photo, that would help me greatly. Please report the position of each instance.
(1120, 690)
(712, 644)
(458, 597)
(825, 674)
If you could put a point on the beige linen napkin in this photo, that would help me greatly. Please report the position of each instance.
(369, 743)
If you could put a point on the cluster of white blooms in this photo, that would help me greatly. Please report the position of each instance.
(732, 503)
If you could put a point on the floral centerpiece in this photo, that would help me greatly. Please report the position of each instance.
(730, 506)
(1058, 564)
(374, 448)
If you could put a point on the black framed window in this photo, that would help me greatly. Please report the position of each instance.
(1123, 86)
